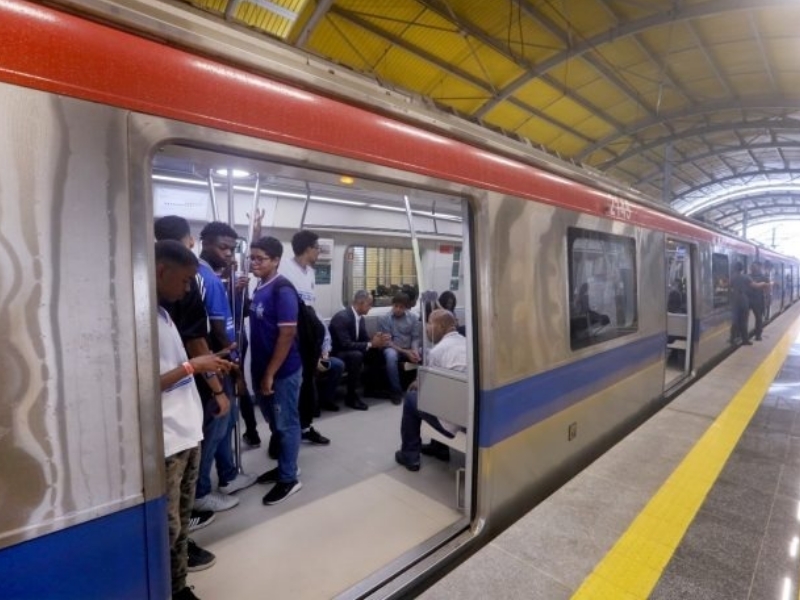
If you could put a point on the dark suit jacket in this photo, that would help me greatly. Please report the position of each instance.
(343, 333)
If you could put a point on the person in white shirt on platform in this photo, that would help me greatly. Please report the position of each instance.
(450, 352)
(182, 410)
(300, 271)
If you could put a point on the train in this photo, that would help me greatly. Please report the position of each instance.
(563, 282)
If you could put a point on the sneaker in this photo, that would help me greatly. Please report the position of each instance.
(200, 518)
(396, 398)
(240, 482)
(280, 492)
(436, 449)
(314, 436)
(252, 439)
(271, 476)
(185, 594)
(199, 559)
(215, 502)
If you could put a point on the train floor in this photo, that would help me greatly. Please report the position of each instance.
(701, 502)
(356, 512)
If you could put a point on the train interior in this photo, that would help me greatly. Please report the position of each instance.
(679, 271)
(360, 518)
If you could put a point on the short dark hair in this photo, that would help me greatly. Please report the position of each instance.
(302, 240)
(271, 246)
(172, 227)
(171, 251)
(447, 297)
(217, 229)
(738, 267)
(401, 298)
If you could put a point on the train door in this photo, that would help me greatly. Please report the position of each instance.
(363, 514)
(679, 288)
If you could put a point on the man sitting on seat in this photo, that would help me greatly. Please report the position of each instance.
(402, 327)
(449, 352)
(352, 344)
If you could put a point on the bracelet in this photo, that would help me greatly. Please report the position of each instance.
(187, 366)
(219, 393)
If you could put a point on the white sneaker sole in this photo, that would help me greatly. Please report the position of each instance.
(295, 489)
(242, 482)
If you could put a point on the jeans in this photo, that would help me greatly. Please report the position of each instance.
(280, 410)
(329, 381)
(216, 444)
(410, 427)
(392, 373)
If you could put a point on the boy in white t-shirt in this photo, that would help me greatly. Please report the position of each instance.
(182, 411)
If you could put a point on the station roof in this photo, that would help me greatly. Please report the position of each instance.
(693, 102)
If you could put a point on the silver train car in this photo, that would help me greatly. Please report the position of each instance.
(585, 308)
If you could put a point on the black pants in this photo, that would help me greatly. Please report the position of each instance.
(307, 405)
(355, 363)
(758, 312)
(739, 313)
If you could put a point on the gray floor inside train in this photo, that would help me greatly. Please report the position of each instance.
(358, 509)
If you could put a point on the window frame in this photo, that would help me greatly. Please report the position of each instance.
(629, 243)
(723, 299)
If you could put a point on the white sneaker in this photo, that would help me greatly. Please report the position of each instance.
(216, 502)
(240, 482)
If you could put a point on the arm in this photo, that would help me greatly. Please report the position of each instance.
(199, 347)
(286, 335)
(205, 363)
(341, 331)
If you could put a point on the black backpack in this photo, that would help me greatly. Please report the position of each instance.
(310, 330)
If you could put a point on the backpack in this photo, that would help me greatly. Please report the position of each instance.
(310, 330)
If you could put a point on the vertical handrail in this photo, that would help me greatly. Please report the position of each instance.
(305, 205)
(213, 194)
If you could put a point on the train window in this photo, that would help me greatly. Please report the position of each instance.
(602, 283)
(720, 274)
(382, 271)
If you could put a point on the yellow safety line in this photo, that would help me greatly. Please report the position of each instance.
(632, 568)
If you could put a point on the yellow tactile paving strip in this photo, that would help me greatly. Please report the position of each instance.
(632, 568)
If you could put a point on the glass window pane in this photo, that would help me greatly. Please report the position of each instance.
(602, 281)
(721, 274)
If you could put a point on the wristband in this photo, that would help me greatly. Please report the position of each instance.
(187, 366)
(219, 393)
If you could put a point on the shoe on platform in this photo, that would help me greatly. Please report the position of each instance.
(240, 482)
(199, 559)
(215, 502)
(252, 439)
(356, 404)
(280, 492)
(200, 519)
(400, 459)
(396, 398)
(313, 436)
(271, 476)
(185, 594)
(436, 450)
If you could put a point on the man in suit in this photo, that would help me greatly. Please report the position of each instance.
(352, 344)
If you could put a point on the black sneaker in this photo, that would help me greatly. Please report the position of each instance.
(199, 559)
(200, 518)
(281, 492)
(271, 476)
(185, 594)
(436, 449)
(252, 439)
(314, 436)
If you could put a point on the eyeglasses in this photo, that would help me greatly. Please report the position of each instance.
(258, 259)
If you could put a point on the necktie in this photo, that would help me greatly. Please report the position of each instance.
(361, 328)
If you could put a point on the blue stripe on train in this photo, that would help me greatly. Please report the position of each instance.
(513, 408)
(123, 555)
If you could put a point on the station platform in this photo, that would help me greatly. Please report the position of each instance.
(700, 502)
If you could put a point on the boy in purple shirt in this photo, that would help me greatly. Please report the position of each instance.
(276, 365)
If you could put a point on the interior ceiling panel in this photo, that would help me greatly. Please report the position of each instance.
(684, 100)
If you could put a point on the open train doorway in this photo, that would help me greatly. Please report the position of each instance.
(393, 254)
(678, 360)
